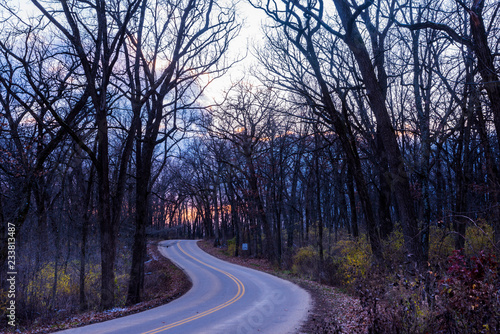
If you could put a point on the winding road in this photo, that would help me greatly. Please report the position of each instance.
(225, 298)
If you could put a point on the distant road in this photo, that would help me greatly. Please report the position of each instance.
(225, 298)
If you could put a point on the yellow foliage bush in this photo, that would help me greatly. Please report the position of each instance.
(393, 248)
(442, 241)
(396, 241)
(41, 284)
(441, 244)
(4, 302)
(121, 283)
(305, 262)
(355, 259)
(479, 237)
(231, 246)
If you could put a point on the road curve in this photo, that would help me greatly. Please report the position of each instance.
(225, 298)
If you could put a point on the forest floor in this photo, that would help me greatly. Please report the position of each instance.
(333, 311)
(173, 284)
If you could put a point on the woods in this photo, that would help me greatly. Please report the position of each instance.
(362, 141)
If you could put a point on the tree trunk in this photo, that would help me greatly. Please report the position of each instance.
(259, 208)
(107, 230)
(462, 171)
(87, 209)
(384, 205)
(143, 174)
(349, 146)
(423, 114)
(352, 203)
(318, 210)
(491, 81)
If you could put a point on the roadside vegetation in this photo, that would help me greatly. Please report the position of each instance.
(163, 283)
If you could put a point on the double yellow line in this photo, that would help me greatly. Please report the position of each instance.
(239, 294)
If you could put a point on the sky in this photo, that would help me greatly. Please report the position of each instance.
(250, 36)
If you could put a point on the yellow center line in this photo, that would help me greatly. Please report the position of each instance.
(239, 294)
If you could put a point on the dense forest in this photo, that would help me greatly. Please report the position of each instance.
(360, 147)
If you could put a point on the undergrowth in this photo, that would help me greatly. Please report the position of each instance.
(455, 291)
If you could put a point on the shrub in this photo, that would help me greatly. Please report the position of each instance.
(463, 299)
(354, 261)
(393, 249)
(470, 293)
(231, 246)
(441, 244)
(305, 262)
(404, 306)
(479, 237)
(41, 285)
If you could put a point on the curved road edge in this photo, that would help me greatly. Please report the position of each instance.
(249, 320)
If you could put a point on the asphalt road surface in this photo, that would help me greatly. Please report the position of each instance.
(225, 298)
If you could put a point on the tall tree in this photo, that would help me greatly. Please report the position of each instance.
(171, 48)
(243, 121)
(301, 33)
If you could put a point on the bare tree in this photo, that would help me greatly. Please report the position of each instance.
(95, 36)
(478, 42)
(243, 121)
(170, 49)
(301, 33)
(41, 105)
